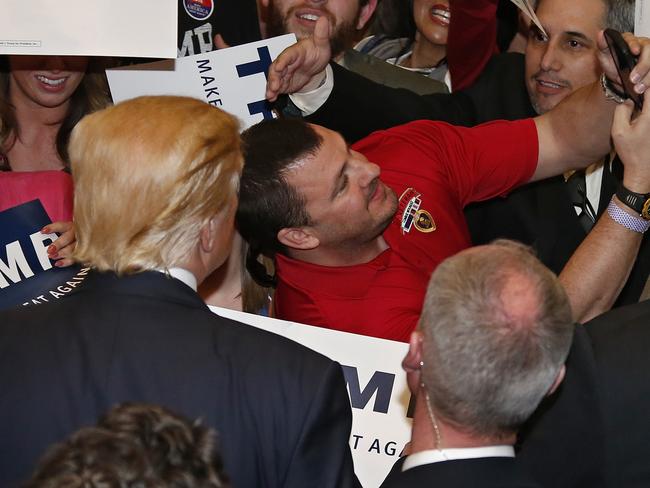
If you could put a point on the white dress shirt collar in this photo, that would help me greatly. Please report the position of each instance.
(438, 455)
(181, 274)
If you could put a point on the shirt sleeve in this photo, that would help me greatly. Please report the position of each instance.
(491, 159)
(475, 163)
(311, 101)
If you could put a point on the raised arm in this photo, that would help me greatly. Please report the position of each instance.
(349, 103)
(597, 271)
(599, 268)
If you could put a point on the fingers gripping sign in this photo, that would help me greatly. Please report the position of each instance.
(301, 67)
(61, 249)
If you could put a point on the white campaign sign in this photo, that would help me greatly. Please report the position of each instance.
(146, 28)
(232, 79)
(376, 384)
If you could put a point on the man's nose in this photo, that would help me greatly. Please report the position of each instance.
(367, 172)
(551, 59)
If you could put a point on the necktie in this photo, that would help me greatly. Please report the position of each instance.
(577, 189)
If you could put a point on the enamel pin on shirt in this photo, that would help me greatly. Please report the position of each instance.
(411, 214)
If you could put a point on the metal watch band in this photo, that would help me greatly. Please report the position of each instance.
(621, 217)
(611, 93)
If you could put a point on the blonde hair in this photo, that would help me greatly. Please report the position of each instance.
(149, 173)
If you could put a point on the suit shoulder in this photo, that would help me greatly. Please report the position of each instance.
(621, 327)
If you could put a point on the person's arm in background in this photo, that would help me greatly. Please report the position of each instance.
(472, 39)
(349, 103)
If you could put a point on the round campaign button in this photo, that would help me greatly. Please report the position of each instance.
(199, 9)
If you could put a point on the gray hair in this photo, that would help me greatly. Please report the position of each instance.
(496, 328)
(620, 15)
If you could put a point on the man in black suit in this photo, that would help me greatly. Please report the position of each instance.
(514, 87)
(156, 181)
(596, 431)
(492, 340)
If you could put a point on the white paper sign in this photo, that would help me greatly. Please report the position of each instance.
(376, 384)
(232, 79)
(146, 28)
(642, 19)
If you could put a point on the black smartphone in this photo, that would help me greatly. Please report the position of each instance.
(624, 61)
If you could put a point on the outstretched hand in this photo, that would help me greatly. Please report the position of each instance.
(301, 66)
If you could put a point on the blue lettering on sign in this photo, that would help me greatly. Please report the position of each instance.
(26, 272)
(380, 384)
(212, 95)
(253, 68)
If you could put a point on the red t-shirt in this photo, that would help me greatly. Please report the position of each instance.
(437, 169)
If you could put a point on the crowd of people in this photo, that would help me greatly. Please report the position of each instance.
(495, 226)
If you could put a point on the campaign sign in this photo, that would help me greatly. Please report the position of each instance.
(232, 79)
(27, 275)
(142, 29)
(376, 384)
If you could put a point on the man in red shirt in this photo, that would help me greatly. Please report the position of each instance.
(354, 251)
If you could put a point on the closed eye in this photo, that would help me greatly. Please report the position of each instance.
(536, 34)
(342, 185)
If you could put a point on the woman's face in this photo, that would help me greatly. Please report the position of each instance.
(432, 20)
(45, 81)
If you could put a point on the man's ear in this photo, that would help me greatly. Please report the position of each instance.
(264, 3)
(412, 362)
(365, 13)
(558, 379)
(298, 238)
(208, 234)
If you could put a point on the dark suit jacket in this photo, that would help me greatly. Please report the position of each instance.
(495, 472)
(540, 214)
(595, 432)
(281, 410)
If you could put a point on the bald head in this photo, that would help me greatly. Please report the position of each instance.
(496, 327)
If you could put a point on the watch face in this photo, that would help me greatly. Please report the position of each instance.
(645, 211)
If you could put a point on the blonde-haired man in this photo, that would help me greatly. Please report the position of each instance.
(156, 181)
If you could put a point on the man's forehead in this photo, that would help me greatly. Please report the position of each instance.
(316, 166)
(572, 16)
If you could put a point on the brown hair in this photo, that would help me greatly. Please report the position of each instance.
(91, 95)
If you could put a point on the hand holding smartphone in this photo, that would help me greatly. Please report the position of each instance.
(625, 61)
